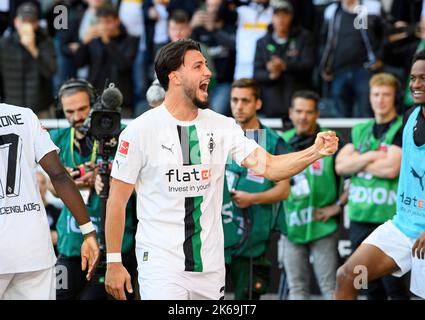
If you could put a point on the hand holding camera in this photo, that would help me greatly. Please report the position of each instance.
(84, 175)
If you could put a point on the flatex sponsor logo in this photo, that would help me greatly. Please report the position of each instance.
(190, 180)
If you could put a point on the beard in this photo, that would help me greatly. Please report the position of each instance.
(191, 94)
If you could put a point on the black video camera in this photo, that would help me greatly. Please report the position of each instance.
(104, 120)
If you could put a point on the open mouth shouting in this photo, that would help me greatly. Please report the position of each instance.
(203, 87)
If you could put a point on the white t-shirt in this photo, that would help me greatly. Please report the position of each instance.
(178, 171)
(25, 243)
(131, 15)
(253, 21)
(161, 25)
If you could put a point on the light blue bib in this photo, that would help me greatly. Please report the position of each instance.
(410, 217)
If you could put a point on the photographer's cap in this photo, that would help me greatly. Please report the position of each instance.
(27, 10)
(282, 5)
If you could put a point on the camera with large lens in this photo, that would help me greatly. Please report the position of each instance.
(104, 120)
(104, 125)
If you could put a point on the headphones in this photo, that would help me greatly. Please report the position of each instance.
(72, 84)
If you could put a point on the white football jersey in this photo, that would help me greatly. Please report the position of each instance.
(25, 242)
(178, 171)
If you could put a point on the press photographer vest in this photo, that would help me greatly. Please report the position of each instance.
(313, 188)
(247, 231)
(372, 199)
(69, 235)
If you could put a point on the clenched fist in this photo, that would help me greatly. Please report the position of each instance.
(326, 143)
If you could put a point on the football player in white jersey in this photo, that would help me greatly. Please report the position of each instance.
(174, 157)
(27, 258)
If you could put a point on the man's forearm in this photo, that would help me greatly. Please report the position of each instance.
(383, 169)
(352, 164)
(277, 193)
(67, 190)
(114, 226)
(288, 165)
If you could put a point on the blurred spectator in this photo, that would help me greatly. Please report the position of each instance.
(155, 94)
(284, 59)
(352, 53)
(253, 20)
(110, 52)
(408, 11)
(304, 13)
(51, 211)
(211, 29)
(13, 5)
(179, 28)
(157, 14)
(311, 208)
(373, 162)
(132, 17)
(187, 6)
(4, 15)
(27, 63)
(81, 26)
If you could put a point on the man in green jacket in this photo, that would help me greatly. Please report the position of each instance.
(311, 207)
(79, 154)
(256, 200)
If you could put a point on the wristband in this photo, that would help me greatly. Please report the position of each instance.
(113, 257)
(87, 228)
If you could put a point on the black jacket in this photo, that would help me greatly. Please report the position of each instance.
(298, 54)
(112, 62)
(371, 37)
(26, 81)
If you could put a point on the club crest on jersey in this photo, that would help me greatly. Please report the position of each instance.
(123, 147)
(211, 143)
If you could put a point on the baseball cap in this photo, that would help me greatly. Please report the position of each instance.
(27, 10)
(282, 5)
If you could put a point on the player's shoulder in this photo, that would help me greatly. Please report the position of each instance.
(144, 122)
(25, 118)
(220, 119)
(9, 109)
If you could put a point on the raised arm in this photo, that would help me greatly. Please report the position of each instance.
(284, 166)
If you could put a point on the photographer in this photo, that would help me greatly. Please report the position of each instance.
(79, 154)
